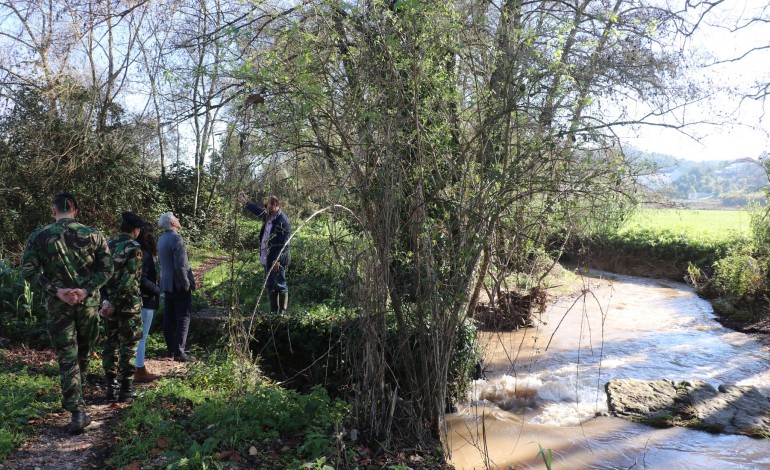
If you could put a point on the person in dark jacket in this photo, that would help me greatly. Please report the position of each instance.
(274, 249)
(177, 284)
(150, 296)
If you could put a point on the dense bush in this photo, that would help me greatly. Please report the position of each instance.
(308, 347)
(740, 276)
(49, 146)
(669, 245)
(205, 224)
(305, 347)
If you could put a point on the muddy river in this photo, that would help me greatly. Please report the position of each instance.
(545, 385)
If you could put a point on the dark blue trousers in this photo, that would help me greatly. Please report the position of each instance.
(176, 320)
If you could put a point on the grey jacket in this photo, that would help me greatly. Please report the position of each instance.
(175, 272)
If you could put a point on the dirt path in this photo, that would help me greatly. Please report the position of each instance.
(207, 266)
(201, 270)
(54, 448)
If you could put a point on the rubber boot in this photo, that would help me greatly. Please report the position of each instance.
(112, 387)
(142, 375)
(79, 421)
(127, 393)
(283, 301)
(273, 295)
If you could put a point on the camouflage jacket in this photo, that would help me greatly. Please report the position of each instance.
(123, 288)
(67, 254)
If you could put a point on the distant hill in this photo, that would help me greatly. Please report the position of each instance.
(723, 183)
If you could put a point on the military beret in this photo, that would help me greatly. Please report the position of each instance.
(132, 219)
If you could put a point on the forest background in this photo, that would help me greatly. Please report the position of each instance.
(440, 144)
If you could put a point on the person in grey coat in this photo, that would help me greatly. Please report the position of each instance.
(177, 284)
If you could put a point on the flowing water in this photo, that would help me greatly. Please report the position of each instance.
(545, 384)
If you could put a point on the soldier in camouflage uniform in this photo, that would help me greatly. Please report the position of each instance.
(122, 309)
(69, 262)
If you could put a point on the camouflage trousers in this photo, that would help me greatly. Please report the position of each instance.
(72, 331)
(122, 332)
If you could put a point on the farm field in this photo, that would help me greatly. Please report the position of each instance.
(700, 237)
(709, 224)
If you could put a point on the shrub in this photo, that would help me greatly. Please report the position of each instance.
(223, 408)
(23, 314)
(740, 276)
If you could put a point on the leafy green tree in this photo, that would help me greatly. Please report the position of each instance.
(52, 147)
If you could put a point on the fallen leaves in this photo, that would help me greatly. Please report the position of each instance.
(229, 456)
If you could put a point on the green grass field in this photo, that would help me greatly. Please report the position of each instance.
(696, 236)
(702, 223)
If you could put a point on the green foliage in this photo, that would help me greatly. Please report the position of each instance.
(23, 313)
(740, 276)
(24, 396)
(208, 224)
(547, 455)
(669, 245)
(697, 237)
(309, 347)
(49, 146)
(305, 345)
(760, 231)
(224, 405)
(316, 273)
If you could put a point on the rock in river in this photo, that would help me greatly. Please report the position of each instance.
(696, 404)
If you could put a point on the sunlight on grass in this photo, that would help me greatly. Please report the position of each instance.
(716, 225)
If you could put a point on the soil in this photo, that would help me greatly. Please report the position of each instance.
(201, 270)
(207, 266)
(631, 265)
(758, 327)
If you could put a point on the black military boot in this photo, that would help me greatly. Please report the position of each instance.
(283, 301)
(112, 387)
(273, 295)
(79, 421)
(127, 393)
